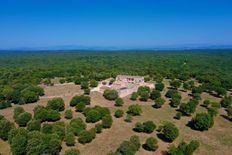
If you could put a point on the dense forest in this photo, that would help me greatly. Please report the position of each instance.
(21, 72)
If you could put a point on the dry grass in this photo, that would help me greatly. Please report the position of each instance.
(215, 141)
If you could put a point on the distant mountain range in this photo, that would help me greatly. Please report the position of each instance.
(97, 48)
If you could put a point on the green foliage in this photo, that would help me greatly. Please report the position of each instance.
(134, 110)
(62, 81)
(57, 128)
(80, 107)
(134, 96)
(215, 105)
(99, 128)
(107, 121)
(87, 91)
(29, 96)
(5, 127)
(77, 125)
(169, 131)
(175, 101)
(128, 118)
(118, 113)
(143, 89)
(84, 85)
(80, 99)
(68, 114)
(159, 102)
(175, 84)
(18, 111)
(19, 145)
(45, 114)
(178, 115)
(93, 116)
(147, 127)
(159, 86)
(23, 118)
(93, 83)
(70, 139)
(226, 101)
(119, 102)
(72, 151)
(144, 96)
(151, 144)
(110, 94)
(188, 108)
(129, 147)
(172, 94)
(213, 111)
(202, 121)
(155, 94)
(183, 148)
(206, 103)
(33, 125)
(87, 136)
(229, 112)
(56, 104)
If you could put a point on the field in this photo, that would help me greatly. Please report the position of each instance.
(215, 141)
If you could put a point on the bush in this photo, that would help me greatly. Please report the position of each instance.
(184, 148)
(86, 136)
(175, 84)
(52, 115)
(30, 96)
(80, 99)
(175, 102)
(68, 114)
(118, 113)
(226, 102)
(93, 116)
(119, 102)
(138, 127)
(229, 112)
(18, 111)
(202, 121)
(144, 96)
(18, 144)
(172, 93)
(80, 107)
(4, 104)
(93, 83)
(151, 144)
(70, 139)
(159, 102)
(87, 91)
(5, 127)
(134, 110)
(44, 114)
(129, 147)
(135, 140)
(34, 125)
(72, 151)
(99, 128)
(155, 94)
(169, 131)
(62, 81)
(143, 89)
(213, 111)
(159, 86)
(110, 94)
(215, 105)
(178, 115)
(23, 119)
(134, 96)
(148, 127)
(56, 104)
(189, 108)
(77, 125)
(206, 103)
(128, 118)
(84, 85)
(107, 121)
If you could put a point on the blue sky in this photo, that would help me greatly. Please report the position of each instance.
(118, 23)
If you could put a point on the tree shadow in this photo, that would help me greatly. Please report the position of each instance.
(161, 136)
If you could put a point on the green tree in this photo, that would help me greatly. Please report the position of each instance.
(70, 139)
(188, 108)
(144, 96)
(93, 116)
(151, 144)
(159, 86)
(110, 94)
(202, 121)
(72, 151)
(5, 127)
(134, 110)
(159, 102)
(134, 96)
(80, 99)
(80, 107)
(169, 131)
(77, 125)
(30, 96)
(33, 125)
(119, 102)
(84, 85)
(148, 126)
(107, 121)
(175, 84)
(226, 101)
(19, 145)
(118, 113)
(56, 104)
(23, 119)
(18, 111)
(229, 112)
(68, 114)
(155, 94)
(93, 83)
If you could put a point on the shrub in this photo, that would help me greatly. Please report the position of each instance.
(143, 89)
(134, 96)
(202, 121)
(172, 93)
(178, 115)
(213, 111)
(84, 85)
(4, 104)
(184, 148)
(151, 144)
(175, 102)
(18, 144)
(155, 94)
(62, 81)
(34, 125)
(215, 105)
(52, 115)
(134, 110)
(93, 116)
(188, 109)
(129, 147)
(148, 127)
(135, 140)
(119, 102)
(72, 151)
(138, 127)
(159, 86)
(68, 114)
(30, 96)
(107, 121)
(86, 136)
(70, 139)
(229, 112)
(226, 102)
(144, 96)
(5, 127)
(159, 102)
(169, 131)
(93, 83)
(16, 131)
(23, 119)
(175, 84)
(80, 107)
(128, 118)
(44, 114)
(99, 128)
(18, 111)
(56, 104)
(87, 91)
(80, 99)
(118, 113)
(110, 94)
(77, 125)
(206, 103)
